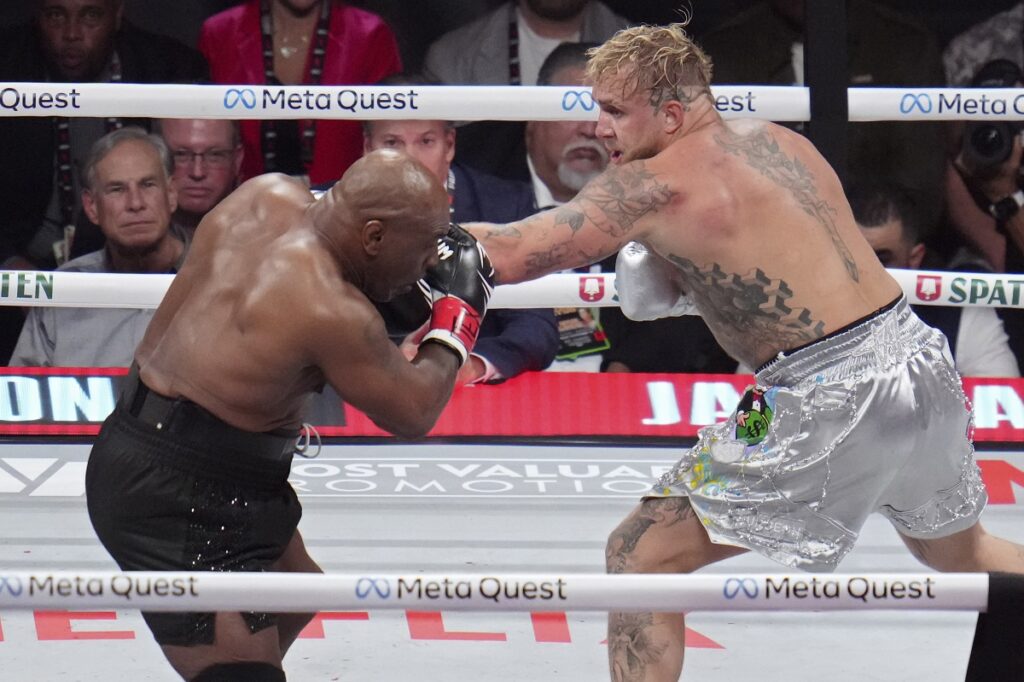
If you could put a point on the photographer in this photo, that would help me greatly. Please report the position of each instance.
(984, 188)
(987, 161)
(998, 38)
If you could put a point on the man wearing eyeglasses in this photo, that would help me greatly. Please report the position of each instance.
(207, 157)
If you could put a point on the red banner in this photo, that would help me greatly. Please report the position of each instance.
(35, 401)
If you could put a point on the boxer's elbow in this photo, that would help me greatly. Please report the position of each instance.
(406, 433)
(413, 415)
(406, 429)
(413, 428)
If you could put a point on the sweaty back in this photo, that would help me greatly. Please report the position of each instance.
(228, 335)
(267, 266)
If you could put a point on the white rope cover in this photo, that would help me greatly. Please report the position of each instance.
(471, 103)
(474, 103)
(108, 290)
(293, 592)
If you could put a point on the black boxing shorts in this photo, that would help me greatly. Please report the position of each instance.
(170, 487)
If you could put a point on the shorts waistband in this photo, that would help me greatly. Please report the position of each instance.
(192, 423)
(887, 337)
(842, 330)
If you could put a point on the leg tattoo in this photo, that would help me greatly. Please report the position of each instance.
(630, 646)
(624, 539)
(638, 646)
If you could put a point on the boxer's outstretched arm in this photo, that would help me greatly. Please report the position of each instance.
(614, 208)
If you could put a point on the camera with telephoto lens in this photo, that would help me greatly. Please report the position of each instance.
(987, 144)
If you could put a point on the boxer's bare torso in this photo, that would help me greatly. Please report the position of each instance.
(270, 305)
(753, 218)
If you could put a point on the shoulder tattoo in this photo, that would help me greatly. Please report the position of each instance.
(761, 151)
(616, 200)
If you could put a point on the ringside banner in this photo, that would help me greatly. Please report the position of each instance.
(74, 401)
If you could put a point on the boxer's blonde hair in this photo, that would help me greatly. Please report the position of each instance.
(661, 60)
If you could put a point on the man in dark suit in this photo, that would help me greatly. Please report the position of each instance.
(68, 41)
(511, 341)
(521, 150)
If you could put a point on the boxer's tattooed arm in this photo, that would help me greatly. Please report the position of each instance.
(751, 309)
(560, 256)
(574, 219)
(761, 151)
(539, 262)
(616, 200)
(600, 220)
(501, 232)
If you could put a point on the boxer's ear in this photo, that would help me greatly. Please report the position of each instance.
(916, 257)
(672, 113)
(373, 237)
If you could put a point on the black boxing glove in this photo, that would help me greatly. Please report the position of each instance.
(407, 312)
(461, 284)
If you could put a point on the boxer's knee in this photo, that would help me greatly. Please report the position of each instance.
(241, 672)
(653, 538)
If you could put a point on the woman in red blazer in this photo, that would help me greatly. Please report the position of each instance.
(358, 49)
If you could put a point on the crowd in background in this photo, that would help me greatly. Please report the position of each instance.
(121, 195)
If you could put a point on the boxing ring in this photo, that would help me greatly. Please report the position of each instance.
(442, 562)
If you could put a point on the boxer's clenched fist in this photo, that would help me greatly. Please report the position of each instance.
(461, 284)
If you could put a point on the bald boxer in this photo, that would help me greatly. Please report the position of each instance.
(857, 407)
(274, 300)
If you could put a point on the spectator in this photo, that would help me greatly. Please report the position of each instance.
(207, 156)
(129, 195)
(507, 47)
(509, 44)
(563, 156)
(998, 37)
(556, 157)
(511, 341)
(764, 45)
(983, 200)
(291, 42)
(891, 221)
(74, 41)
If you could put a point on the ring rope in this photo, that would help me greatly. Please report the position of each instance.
(474, 103)
(110, 290)
(309, 592)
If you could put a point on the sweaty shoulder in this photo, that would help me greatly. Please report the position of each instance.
(766, 148)
(265, 192)
(277, 186)
(238, 228)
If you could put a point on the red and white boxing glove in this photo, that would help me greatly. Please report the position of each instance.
(461, 285)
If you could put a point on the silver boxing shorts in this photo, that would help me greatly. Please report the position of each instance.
(871, 418)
